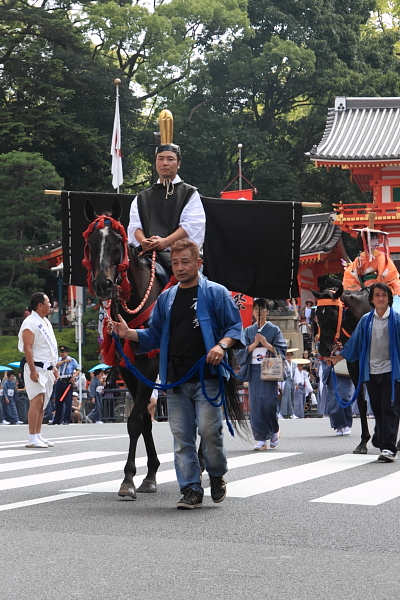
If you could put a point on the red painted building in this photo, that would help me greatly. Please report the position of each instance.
(362, 136)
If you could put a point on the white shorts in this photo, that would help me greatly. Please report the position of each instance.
(41, 387)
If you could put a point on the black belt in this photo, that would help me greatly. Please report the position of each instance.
(40, 364)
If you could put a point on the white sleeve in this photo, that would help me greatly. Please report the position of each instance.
(26, 324)
(134, 223)
(193, 219)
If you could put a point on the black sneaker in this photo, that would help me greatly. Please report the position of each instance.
(387, 456)
(218, 489)
(190, 499)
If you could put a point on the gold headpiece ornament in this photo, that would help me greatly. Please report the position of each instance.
(166, 121)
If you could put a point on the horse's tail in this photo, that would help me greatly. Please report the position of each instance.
(233, 404)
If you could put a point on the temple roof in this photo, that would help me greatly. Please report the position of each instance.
(319, 234)
(360, 129)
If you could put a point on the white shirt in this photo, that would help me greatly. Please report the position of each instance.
(302, 378)
(192, 219)
(379, 355)
(44, 347)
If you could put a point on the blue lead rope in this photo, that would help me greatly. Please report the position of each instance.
(199, 366)
(366, 344)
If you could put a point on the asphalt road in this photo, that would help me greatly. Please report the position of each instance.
(65, 535)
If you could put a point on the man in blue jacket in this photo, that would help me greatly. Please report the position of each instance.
(197, 317)
(377, 336)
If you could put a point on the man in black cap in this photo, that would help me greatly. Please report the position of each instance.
(168, 211)
(66, 366)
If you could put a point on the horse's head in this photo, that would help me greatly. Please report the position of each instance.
(329, 315)
(357, 303)
(105, 251)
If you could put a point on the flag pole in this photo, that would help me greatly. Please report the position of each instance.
(304, 204)
(115, 151)
(117, 83)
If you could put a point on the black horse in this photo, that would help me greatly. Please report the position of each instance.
(105, 247)
(333, 327)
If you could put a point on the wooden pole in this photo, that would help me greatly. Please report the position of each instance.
(305, 204)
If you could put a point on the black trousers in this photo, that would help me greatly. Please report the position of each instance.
(61, 386)
(386, 416)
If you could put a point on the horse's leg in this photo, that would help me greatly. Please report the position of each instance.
(354, 372)
(149, 483)
(149, 368)
(139, 422)
(135, 425)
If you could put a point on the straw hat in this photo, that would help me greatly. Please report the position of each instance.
(301, 361)
(291, 350)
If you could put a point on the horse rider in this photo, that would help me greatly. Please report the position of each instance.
(168, 211)
(373, 265)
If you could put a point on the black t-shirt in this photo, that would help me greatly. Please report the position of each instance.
(186, 344)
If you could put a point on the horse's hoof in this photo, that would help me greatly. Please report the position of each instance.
(148, 486)
(361, 449)
(128, 491)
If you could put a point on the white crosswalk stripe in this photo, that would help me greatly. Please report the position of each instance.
(15, 453)
(279, 479)
(54, 460)
(370, 493)
(170, 475)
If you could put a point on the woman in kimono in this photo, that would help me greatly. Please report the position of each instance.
(262, 339)
(287, 386)
(302, 387)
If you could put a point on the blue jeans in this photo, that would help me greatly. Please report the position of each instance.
(189, 411)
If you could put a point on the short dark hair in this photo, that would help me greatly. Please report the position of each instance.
(36, 299)
(185, 244)
(260, 303)
(9, 373)
(384, 288)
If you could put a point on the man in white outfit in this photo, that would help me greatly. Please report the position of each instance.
(37, 341)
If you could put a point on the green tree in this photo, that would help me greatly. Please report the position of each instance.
(28, 218)
(57, 95)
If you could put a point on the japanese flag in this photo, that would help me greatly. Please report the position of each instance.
(116, 164)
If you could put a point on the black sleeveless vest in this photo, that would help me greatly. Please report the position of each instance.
(160, 215)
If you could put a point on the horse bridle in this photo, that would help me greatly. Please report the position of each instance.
(123, 287)
(334, 302)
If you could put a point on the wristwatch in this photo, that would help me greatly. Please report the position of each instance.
(223, 345)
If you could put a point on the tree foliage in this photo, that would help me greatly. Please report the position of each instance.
(28, 218)
(258, 72)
